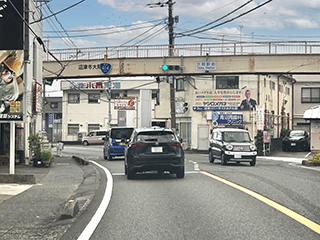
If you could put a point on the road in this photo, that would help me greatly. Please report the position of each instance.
(276, 199)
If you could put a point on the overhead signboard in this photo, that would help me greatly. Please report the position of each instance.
(206, 66)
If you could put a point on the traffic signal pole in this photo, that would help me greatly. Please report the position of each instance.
(172, 83)
(171, 47)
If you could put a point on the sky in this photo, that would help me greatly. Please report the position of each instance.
(101, 23)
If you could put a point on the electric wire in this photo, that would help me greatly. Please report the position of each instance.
(227, 21)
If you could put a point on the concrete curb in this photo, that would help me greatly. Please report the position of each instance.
(81, 160)
(308, 163)
(18, 178)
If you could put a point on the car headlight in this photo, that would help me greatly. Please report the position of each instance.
(253, 147)
(229, 147)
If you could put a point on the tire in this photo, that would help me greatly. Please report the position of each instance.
(125, 170)
(224, 160)
(211, 159)
(180, 173)
(253, 162)
(85, 143)
(130, 174)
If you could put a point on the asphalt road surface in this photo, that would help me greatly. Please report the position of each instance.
(276, 199)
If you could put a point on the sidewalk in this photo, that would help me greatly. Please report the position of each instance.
(42, 210)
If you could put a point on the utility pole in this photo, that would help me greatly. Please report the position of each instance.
(171, 47)
(172, 83)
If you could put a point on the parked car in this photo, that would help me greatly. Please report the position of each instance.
(296, 139)
(94, 137)
(115, 142)
(232, 145)
(154, 149)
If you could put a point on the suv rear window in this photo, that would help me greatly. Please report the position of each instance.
(156, 137)
(121, 133)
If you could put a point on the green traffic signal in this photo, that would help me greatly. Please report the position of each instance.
(165, 68)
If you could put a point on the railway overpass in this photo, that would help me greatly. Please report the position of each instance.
(195, 59)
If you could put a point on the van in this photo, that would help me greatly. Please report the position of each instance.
(94, 137)
(116, 141)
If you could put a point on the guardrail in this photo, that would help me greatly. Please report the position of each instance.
(211, 49)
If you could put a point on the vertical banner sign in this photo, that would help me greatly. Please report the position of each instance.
(11, 85)
(260, 117)
(11, 25)
(38, 100)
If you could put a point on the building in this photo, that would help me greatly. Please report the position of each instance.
(210, 96)
(24, 111)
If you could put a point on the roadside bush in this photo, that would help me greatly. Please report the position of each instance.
(316, 158)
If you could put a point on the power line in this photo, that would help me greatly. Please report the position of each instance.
(232, 19)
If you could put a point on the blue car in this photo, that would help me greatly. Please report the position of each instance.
(115, 142)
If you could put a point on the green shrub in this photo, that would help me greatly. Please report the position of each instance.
(46, 155)
(316, 158)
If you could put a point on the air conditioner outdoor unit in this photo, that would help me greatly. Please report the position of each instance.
(81, 135)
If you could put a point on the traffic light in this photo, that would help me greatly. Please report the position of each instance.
(185, 107)
(171, 68)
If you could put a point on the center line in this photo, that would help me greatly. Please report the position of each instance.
(304, 221)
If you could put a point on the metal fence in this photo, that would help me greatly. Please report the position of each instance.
(205, 49)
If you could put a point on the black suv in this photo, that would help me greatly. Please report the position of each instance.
(232, 144)
(152, 149)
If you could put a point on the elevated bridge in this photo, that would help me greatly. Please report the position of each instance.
(193, 59)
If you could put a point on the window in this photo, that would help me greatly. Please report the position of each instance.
(94, 98)
(180, 84)
(223, 82)
(272, 85)
(115, 95)
(73, 129)
(310, 95)
(288, 91)
(54, 105)
(92, 127)
(73, 98)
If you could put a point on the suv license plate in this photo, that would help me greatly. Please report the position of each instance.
(156, 149)
(293, 144)
(237, 156)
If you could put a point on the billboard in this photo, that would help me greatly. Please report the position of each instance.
(11, 25)
(224, 100)
(11, 85)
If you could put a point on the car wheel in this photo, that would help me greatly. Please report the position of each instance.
(223, 159)
(130, 174)
(253, 162)
(85, 143)
(125, 170)
(211, 159)
(180, 173)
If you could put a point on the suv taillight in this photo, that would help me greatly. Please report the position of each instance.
(134, 145)
(176, 144)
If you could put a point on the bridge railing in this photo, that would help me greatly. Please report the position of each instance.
(210, 49)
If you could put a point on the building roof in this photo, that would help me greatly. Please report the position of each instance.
(312, 113)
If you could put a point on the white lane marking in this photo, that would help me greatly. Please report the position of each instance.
(92, 225)
(13, 189)
(195, 165)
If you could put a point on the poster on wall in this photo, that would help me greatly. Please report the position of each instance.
(11, 85)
